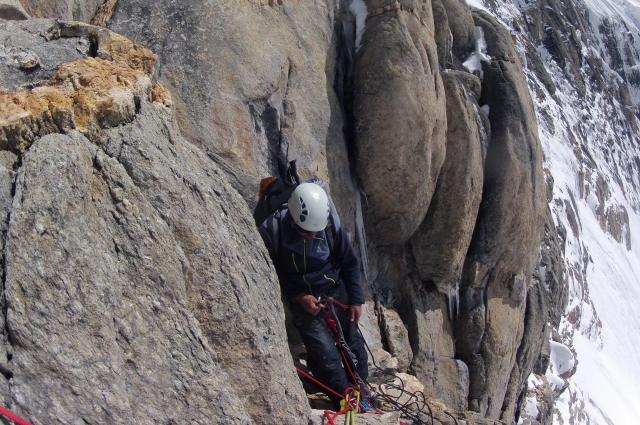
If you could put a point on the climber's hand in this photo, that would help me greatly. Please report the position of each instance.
(309, 303)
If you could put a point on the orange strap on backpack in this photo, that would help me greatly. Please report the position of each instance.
(263, 186)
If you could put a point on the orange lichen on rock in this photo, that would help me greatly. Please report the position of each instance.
(159, 94)
(122, 50)
(86, 95)
(26, 115)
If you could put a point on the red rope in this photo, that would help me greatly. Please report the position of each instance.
(336, 302)
(332, 323)
(330, 418)
(16, 419)
(350, 404)
(318, 382)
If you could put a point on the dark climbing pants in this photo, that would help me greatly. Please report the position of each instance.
(323, 357)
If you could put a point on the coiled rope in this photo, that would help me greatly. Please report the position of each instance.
(414, 407)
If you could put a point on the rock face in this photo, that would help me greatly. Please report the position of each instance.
(71, 10)
(507, 235)
(7, 179)
(424, 312)
(440, 244)
(29, 62)
(535, 335)
(400, 124)
(87, 95)
(281, 105)
(462, 30)
(86, 257)
(124, 294)
(482, 228)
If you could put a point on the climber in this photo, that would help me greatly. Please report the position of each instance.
(313, 257)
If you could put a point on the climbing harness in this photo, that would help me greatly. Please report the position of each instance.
(10, 415)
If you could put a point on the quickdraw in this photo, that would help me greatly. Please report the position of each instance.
(348, 407)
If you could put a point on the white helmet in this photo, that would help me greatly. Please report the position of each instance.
(309, 207)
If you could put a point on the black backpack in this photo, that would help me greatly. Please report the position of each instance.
(275, 192)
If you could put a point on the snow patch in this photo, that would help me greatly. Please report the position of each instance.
(474, 61)
(482, 132)
(359, 9)
(561, 358)
(531, 407)
(533, 381)
(478, 4)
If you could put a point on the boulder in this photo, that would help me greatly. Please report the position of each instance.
(536, 331)
(12, 10)
(508, 232)
(462, 28)
(396, 335)
(378, 356)
(440, 244)
(399, 116)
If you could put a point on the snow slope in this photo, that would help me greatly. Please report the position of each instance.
(601, 323)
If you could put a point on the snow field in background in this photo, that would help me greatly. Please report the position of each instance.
(608, 369)
(607, 379)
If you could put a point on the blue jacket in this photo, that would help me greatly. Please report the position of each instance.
(307, 266)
